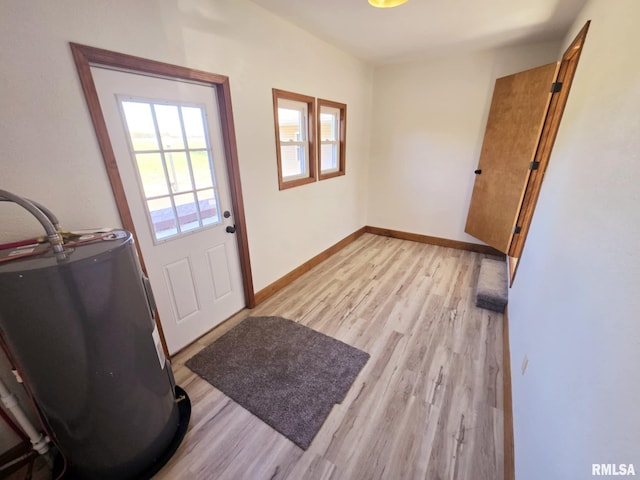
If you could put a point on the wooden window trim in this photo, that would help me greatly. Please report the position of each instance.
(342, 140)
(311, 134)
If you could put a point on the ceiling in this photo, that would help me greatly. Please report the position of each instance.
(425, 28)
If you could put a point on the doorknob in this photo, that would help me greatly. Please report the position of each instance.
(231, 229)
(226, 214)
(478, 172)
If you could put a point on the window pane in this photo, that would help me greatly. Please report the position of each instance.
(187, 211)
(169, 126)
(295, 126)
(208, 208)
(291, 124)
(178, 168)
(162, 218)
(293, 159)
(194, 127)
(329, 156)
(202, 172)
(329, 124)
(140, 125)
(152, 174)
(332, 118)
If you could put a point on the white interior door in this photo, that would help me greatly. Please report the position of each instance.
(167, 140)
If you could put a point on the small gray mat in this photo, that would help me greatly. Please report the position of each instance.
(492, 289)
(284, 373)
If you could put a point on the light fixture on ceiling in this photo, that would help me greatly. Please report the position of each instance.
(386, 3)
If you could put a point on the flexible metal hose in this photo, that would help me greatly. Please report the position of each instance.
(54, 237)
(50, 215)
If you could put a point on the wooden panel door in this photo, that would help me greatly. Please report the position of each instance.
(167, 140)
(516, 116)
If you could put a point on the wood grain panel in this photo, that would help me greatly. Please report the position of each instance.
(282, 282)
(443, 242)
(428, 404)
(516, 116)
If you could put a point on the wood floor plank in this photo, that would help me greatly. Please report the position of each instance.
(427, 405)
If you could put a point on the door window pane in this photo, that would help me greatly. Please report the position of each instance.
(177, 176)
(178, 169)
(162, 217)
(154, 180)
(194, 127)
(208, 208)
(202, 172)
(142, 130)
(169, 126)
(187, 212)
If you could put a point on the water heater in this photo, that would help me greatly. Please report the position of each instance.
(78, 323)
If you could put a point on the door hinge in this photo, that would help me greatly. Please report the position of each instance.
(534, 165)
(517, 230)
(556, 87)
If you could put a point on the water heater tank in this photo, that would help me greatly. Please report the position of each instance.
(82, 333)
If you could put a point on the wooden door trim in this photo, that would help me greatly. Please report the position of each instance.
(568, 66)
(85, 57)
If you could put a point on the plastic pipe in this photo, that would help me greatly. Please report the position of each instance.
(54, 237)
(39, 441)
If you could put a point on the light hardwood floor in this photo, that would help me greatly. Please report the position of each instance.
(427, 405)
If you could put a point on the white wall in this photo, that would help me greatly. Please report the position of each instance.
(428, 126)
(575, 306)
(49, 149)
